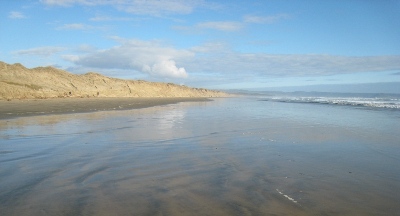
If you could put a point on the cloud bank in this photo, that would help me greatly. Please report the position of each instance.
(159, 60)
(149, 57)
(261, 64)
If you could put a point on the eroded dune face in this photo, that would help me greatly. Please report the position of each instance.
(19, 82)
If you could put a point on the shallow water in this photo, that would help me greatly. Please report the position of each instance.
(234, 156)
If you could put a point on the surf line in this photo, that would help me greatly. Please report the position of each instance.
(288, 197)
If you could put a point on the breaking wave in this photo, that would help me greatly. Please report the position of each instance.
(388, 103)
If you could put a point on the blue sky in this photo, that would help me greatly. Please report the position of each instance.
(211, 44)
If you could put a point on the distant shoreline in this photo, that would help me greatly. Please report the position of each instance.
(34, 107)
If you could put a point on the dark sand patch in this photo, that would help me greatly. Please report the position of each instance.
(20, 108)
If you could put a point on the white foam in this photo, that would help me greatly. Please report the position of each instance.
(287, 197)
(391, 103)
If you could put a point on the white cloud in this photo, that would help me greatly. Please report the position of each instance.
(156, 8)
(166, 68)
(72, 2)
(146, 56)
(72, 26)
(86, 48)
(16, 15)
(79, 26)
(71, 58)
(234, 25)
(222, 26)
(40, 51)
(109, 18)
(143, 7)
(266, 19)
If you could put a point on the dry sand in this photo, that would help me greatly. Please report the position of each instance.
(19, 82)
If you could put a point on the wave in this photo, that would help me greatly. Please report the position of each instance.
(388, 103)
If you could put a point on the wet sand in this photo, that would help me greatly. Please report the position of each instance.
(31, 107)
(226, 157)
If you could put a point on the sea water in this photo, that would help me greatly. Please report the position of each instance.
(250, 155)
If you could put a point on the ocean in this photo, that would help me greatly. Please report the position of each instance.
(257, 154)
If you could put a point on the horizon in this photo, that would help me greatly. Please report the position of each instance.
(210, 44)
(358, 88)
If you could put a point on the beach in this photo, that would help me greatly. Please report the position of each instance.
(32, 107)
(227, 156)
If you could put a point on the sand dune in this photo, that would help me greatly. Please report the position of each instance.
(19, 82)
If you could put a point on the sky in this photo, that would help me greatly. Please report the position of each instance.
(216, 44)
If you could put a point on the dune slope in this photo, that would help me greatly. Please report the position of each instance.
(19, 82)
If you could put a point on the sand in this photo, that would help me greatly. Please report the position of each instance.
(19, 82)
(32, 107)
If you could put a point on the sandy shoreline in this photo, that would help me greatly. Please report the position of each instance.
(32, 107)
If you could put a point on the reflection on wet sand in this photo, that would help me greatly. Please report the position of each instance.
(176, 160)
